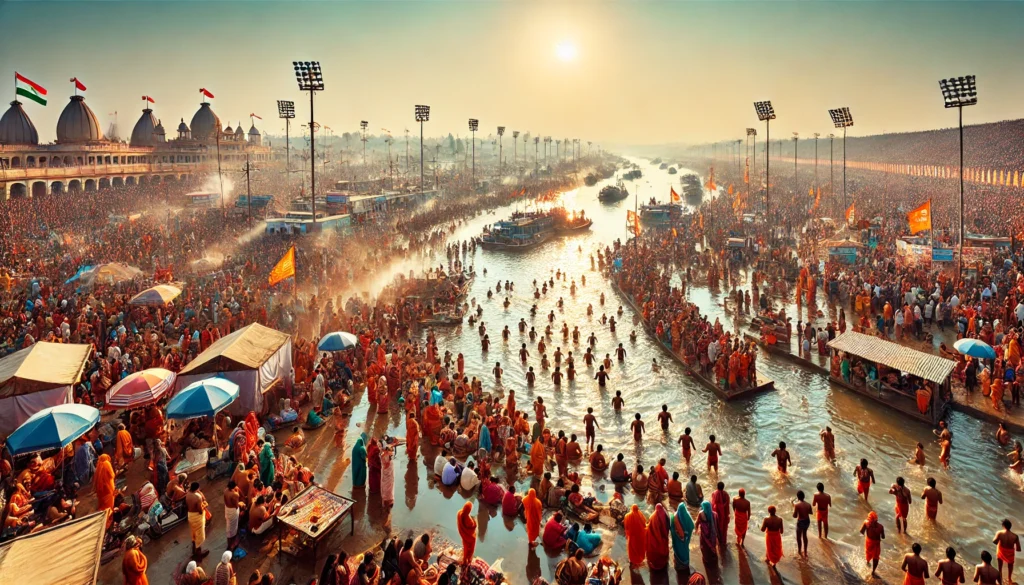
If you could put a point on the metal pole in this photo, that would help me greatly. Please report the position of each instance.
(248, 188)
(845, 206)
(767, 172)
(500, 144)
(960, 261)
(421, 156)
(796, 176)
(474, 158)
(831, 175)
(287, 158)
(312, 155)
(220, 175)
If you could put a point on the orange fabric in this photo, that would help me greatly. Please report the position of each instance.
(432, 424)
(657, 539)
(104, 483)
(538, 456)
(1006, 554)
(412, 436)
(533, 510)
(740, 523)
(773, 546)
(909, 580)
(636, 535)
(134, 567)
(124, 450)
(467, 531)
(872, 549)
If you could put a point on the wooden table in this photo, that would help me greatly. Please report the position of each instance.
(328, 508)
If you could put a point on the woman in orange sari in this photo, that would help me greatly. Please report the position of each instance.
(104, 483)
(657, 539)
(432, 424)
(134, 563)
(467, 531)
(412, 435)
(511, 452)
(636, 536)
(532, 510)
(538, 457)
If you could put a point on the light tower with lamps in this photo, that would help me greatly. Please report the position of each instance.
(752, 136)
(363, 125)
(474, 124)
(816, 135)
(842, 118)
(286, 111)
(766, 113)
(958, 92)
(422, 115)
(831, 176)
(515, 150)
(311, 79)
(796, 174)
(501, 133)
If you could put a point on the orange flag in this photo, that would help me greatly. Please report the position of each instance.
(921, 218)
(730, 189)
(851, 214)
(633, 221)
(810, 191)
(285, 267)
(674, 196)
(746, 172)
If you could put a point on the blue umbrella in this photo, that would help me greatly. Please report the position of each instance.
(338, 341)
(53, 428)
(202, 398)
(975, 348)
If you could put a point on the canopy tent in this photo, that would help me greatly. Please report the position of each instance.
(38, 377)
(77, 544)
(916, 363)
(156, 296)
(254, 357)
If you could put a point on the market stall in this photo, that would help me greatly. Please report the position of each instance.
(38, 377)
(255, 357)
(313, 514)
(76, 547)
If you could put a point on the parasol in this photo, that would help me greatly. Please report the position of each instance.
(53, 428)
(140, 389)
(110, 273)
(156, 296)
(975, 348)
(203, 398)
(338, 341)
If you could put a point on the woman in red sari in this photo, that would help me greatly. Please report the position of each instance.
(432, 421)
(657, 539)
(412, 435)
(636, 536)
(467, 531)
(374, 463)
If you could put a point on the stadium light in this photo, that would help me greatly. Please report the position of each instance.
(311, 79)
(958, 92)
(474, 125)
(766, 113)
(515, 150)
(796, 144)
(842, 118)
(286, 110)
(752, 148)
(501, 133)
(422, 115)
(363, 125)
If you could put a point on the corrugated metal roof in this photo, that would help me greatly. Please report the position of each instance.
(930, 367)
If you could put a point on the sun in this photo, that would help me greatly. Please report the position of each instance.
(565, 51)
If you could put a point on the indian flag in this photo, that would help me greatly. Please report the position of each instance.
(29, 89)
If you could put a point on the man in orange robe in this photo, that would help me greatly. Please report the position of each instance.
(124, 450)
(636, 536)
(772, 528)
(538, 457)
(104, 483)
(533, 509)
(432, 424)
(412, 435)
(467, 531)
(134, 563)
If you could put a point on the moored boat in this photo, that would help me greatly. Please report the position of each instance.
(612, 193)
(660, 215)
(692, 189)
(523, 231)
(590, 180)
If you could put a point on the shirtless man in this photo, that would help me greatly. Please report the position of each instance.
(915, 566)
(821, 502)
(589, 424)
(497, 372)
(617, 401)
(597, 461)
(932, 498)
(637, 426)
(573, 452)
(556, 377)
(619, 471)
(524, 354)
(828, 442)
(713, 450)
(902, 494)
(874, 534)
(802, 513)
(664, 417)
(232, 513)
(865, 477)
(985, 573)
(540, 411)
(782, 457)
(949, 571)
(772, 523)
(919, 456)
(741, 509)
(531, 377)
(1008, 544)
(602, 378)
(195, 501)
(686, 441)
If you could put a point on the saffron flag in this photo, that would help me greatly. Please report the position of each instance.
(810, 191)
(78, 84)
(25, 87)
(675, 234)
(285, 267)
(746, 172)
(203, 91)
(633, 221)
(673, 195)
(255, 116)
(921, 218)
(851, 214)
(149, 99)
(730, 189)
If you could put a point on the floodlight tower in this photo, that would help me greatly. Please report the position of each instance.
(311, 79)
(422, 115)
(363, 125)
(752, 138)
(536, 151)
(842, 118)
(831, 176)
(796, 174)
(474, 125)
(515, 150)
(816, 135)
(501, 133)
(766, 114)
(286, 110)
(958, 92)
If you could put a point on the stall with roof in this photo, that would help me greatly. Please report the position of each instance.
(39, 376)
(257, 358)
(76, 547)
(912, 382)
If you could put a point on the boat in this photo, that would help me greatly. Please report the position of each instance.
(660, 215)
(656, 161)
(590, 180)
(570, 223)
(612, 193)
(632, 174)
(445, 319)
(692, 189)
(663, 166)
(672, 170)
(523, 231)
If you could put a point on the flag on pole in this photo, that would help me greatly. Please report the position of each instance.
(285, 267)
(25, 87)
(674, 196)
(255, 116)
(203, 91)
(633, 221)
(746, 172)
(851, 214)
(921, 218)
(149, 99)
(78, 84)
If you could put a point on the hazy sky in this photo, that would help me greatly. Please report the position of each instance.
(640, 72)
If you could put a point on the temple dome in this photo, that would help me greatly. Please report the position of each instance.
(16, 127)
(182, 127)
(239, 133)
(253, 131)
(143, 133)
(158, 133)
(205, 124)
(78, 123)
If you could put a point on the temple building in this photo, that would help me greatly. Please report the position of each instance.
(82, 159)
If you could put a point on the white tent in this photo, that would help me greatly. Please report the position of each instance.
(255, 357)
(37, 377)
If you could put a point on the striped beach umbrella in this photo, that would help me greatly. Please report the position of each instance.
(338, 341)
(140, 389)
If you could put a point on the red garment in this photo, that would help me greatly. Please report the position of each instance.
(658, 539)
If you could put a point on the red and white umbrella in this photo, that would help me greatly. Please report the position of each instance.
(140, 389)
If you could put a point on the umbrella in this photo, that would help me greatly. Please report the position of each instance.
(53, 428)
(140, 388)
(975, 348)
(156, 296)
(203, 398)
(338, 341)
(111, 273)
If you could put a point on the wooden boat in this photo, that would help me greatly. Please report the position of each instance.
(661, 215)
(523, 231)
(448, 319)
(612, 193)
(590, 180)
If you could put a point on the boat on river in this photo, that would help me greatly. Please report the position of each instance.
(632, 175)
(672, 170)
(567, 222)
(693, 191)
(612, 193)
(590, 180)
(656, 161)
(663, 166)
(660, 215)
(523, 231)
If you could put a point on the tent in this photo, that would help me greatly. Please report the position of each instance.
(255, 357)
(75, 547)
(37, 377)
